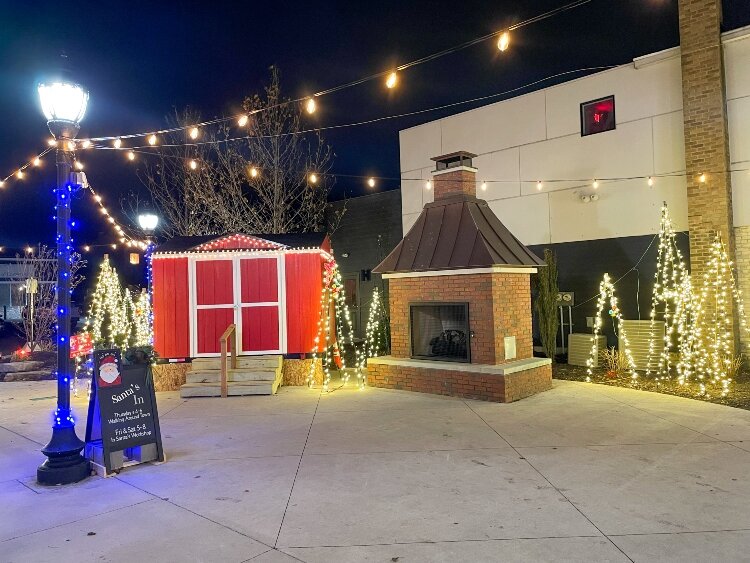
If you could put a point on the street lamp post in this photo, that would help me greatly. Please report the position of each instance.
(64, 105)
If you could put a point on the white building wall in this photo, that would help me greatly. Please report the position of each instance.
(537, 137)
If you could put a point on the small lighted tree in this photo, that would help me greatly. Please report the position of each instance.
(108, 315)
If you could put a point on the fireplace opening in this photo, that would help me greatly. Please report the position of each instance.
(440, 331)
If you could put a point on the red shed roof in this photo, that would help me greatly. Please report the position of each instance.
(240, 241)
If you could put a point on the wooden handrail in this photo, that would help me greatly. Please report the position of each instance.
(230, 332)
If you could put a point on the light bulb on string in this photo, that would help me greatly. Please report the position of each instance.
(193, 165)
(371, 182)
(19, 174)
(114, 246)
(152, 140)
(117, 143)
(702, 178)
(97, 198)
(595, 184)
(131, 155)
(2, 183)
(194, 133)
(71, 145)
(111, 219)
(242, 121)
(52, 142)
(85, 143)
(313, 178)
(392, 80)
(254, 172)
(503, 42)
(310, 105)
(37, 161)
(428, 185)
(539, 185)
(483, 187)
(78, 164)
(650, 182)
(86, 248)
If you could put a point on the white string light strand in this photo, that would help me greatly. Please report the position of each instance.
(368, 78)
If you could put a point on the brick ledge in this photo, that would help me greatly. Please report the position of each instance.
(503, 369)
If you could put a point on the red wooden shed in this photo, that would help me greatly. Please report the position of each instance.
(269, 286)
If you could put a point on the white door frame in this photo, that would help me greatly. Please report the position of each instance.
(237, 304)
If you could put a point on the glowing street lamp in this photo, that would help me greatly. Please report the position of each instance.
(148, 222)
(64, 105)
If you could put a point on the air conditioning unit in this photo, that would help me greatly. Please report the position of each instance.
(579, 348)
(639, 335)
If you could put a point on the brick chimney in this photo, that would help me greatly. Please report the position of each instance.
(454, 175)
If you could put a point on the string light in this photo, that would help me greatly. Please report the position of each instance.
(194, 133)
(254, 172)
(78, 165)
(71, 145)
(131, 155)
(392, 79)
(595, 184)
(650, 182)
(242, 121)
(37, 161)
(539, 185)
(313, 178)
(86, 248)
(152, 140)
(117, 143)
(702, 178)
(86, 144)
(193, 165)
(52, 142)
(428, 185)
(483, 186)
(371, 182)
(503, 41)
(19, 174)
(310, 106)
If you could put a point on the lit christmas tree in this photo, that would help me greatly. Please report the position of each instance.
(108, 315)
(670, 299)
(713, 358)
(607, 292)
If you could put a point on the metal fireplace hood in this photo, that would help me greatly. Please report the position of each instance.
(457, 232)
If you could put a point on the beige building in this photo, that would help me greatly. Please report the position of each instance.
(671, 116)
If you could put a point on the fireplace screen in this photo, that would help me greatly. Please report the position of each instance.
(440, 331)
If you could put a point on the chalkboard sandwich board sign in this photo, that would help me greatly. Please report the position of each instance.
(123, 421)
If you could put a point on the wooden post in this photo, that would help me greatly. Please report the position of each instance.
(224, 342)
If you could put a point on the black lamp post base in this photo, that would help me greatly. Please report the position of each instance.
(64, 464)
(63, 470)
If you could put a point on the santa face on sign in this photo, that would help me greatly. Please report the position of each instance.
(109, 372)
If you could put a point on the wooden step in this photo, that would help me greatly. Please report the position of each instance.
(259, 362)
(234, 389)
(214, 375)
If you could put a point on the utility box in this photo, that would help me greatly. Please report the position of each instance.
(579, 348)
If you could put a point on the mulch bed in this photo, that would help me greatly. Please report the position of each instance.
(739, 394)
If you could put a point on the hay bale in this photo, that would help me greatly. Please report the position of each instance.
(295, 372)
(169, 377)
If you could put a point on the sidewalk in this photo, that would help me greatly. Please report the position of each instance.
(579, 473)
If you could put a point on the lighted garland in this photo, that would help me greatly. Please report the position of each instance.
(607, 291)
(373, 344)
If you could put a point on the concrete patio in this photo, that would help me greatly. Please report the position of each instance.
(579, 473)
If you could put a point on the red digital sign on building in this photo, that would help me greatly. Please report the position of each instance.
(598, 116)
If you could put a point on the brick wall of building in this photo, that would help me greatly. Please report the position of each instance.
(742, 250)
(706, 131)
(499, 306)
(465, 384)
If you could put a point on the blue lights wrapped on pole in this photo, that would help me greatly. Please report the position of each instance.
(64, 105)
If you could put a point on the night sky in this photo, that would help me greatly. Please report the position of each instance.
(141, 59)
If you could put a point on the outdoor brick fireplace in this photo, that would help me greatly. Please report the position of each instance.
(460, 300)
